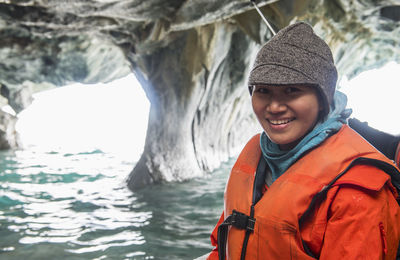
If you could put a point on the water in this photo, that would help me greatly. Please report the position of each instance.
(77, 206)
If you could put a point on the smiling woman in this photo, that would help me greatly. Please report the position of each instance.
(109, 117)
(286, 112)
(313, 181)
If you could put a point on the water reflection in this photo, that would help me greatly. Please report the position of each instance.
(77, 206)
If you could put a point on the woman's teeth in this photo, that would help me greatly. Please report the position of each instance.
(280, 122)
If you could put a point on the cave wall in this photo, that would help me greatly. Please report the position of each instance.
(362, 34)
(200, 78)
(191, 57)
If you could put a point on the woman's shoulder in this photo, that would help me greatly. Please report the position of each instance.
(347, 145)
(348, 138)
(367, 177)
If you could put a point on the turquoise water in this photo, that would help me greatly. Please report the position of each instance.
(77, 206)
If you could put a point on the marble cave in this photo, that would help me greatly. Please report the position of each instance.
(192, 58)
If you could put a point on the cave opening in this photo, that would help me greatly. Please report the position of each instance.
(374, 97)
(111, 118)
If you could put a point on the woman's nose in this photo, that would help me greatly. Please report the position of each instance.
(276, 105)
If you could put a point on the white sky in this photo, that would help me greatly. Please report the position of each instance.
(113, 117)
(374, 96)
(81, 118)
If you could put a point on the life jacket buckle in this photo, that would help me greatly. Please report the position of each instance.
(242, 221)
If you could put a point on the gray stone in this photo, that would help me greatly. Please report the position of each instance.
(8, 135)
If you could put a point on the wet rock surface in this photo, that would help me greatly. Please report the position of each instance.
(8, 136)
(191, 57)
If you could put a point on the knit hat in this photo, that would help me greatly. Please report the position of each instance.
(296, 55)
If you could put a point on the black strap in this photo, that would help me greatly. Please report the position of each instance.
(238, 220)
(321, 196)
(259, 180)
(248, 232)
(222, 236)
(384, 142)
(398, 253)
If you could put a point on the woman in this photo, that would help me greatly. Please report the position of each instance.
(308, 186)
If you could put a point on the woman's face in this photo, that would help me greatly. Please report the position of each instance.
(286, 113)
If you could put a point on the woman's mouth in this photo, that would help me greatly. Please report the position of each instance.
(280, 121)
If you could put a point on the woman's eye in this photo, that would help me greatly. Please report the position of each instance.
(262, 90)
(292, 90)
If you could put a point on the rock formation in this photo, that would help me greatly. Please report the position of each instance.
(8, 135)
(191, 57)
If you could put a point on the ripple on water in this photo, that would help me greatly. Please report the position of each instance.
(77, 206)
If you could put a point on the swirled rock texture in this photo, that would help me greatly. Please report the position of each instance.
(191, 57)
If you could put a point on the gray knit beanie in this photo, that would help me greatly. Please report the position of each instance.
(296, 55)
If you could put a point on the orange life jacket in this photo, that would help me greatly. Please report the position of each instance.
(273, 229)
